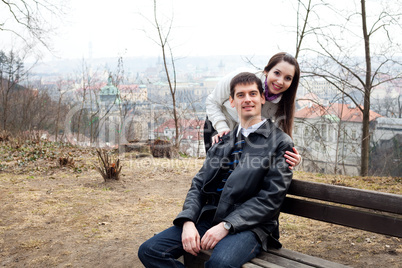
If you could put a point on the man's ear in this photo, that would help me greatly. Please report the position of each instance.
(262, 98)
(231, 101)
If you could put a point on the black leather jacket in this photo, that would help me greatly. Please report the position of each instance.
(254, 192)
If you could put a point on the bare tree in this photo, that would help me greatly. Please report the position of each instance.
(306, 17)
(85, 86)
(11, 71)
(338, 61)
(191, 112)
(62, 87)
(31, 16)
(163, 41)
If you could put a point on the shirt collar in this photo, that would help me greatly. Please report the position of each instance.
(249, 130)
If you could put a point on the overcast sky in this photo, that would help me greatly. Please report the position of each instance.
(207, 27)
(200, 27)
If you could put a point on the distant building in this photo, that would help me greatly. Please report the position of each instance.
(191, 135)
(329, 137)
(110, 95)
(133, 93)
(308, 100)
(387, 128)
(319, 87)
(386, 147)
(110, 117)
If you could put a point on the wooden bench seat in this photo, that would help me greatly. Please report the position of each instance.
(361, 209)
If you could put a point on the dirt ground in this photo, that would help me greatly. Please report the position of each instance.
(52, 216)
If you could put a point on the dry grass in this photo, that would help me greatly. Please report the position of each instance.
(54, 216)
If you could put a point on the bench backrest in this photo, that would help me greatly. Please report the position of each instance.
(361, 209)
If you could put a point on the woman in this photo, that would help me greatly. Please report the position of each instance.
(281, 79)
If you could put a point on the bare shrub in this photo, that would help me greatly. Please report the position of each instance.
(66, 161)
(162, 148)
(4, 136)
(109, 167)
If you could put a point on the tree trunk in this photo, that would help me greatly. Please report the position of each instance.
(365, 150)
(299, 39)
(58, 117)
(163, 42)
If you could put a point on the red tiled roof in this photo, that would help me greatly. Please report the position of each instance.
(342, 111)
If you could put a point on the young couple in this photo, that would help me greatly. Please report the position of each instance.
(234, 201)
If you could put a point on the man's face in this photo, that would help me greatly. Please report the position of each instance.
(248, 102)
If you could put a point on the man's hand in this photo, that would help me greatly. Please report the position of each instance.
(293, 159)
(213, 236)
(190, 238)
(215, 139)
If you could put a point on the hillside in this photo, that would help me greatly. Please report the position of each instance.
(69, 217)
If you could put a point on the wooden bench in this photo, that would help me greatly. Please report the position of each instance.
(361, 209)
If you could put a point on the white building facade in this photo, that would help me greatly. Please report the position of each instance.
(329, 138)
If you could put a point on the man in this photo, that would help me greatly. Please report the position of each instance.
(234, 201)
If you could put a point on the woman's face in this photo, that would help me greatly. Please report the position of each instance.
(280, 77)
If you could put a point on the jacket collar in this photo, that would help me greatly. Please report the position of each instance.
(266, 128)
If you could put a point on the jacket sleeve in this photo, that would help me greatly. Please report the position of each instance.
(265, 205)
(194, 202)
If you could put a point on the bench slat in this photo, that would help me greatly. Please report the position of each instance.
(267, 261)
(349, 196)
(275, 261)
(303, 258)
(362, 220)
(252, 265)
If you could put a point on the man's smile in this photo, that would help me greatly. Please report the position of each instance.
(248, 107)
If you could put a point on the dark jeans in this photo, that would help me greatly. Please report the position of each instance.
(163, 249)
(209, 132)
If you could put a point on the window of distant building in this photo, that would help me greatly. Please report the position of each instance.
(317, 146)
(324, 131)
(354, 136)
(345, 148)
(306, 131)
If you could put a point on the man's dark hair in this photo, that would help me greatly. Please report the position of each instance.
(245, 78)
